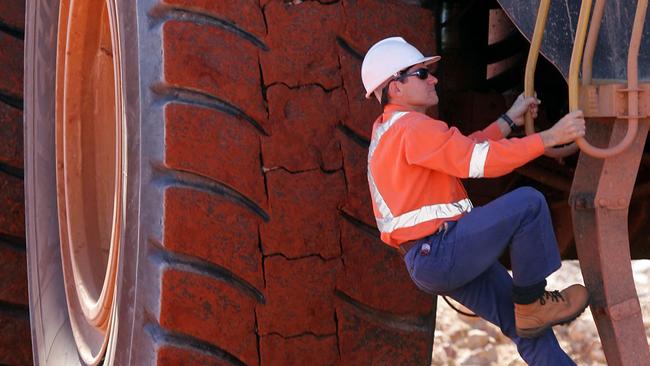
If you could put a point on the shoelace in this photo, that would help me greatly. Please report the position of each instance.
(553, 295)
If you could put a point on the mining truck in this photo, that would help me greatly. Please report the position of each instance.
(184, 181)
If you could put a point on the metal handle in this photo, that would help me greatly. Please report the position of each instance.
(529, 79)
(632, 71)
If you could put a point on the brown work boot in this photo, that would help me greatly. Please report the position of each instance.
(551, 309)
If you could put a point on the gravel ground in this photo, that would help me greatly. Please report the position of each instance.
(462, 340)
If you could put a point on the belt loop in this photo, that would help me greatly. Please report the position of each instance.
(444, 228)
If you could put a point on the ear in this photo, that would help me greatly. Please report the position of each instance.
(394, 89)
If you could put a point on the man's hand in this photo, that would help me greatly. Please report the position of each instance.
(569, 128)
(521, 106)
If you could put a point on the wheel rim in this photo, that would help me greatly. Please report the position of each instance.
(90, 164)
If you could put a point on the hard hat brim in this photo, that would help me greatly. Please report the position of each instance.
(426, 61)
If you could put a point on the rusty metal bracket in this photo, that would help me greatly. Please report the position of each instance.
(582, 201)
(600, 219)
(610, 101)
(625, 309)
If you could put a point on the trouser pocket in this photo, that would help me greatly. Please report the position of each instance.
(430, 272)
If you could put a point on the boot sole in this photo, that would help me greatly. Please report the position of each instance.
(536, 332)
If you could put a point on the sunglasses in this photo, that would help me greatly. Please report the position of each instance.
(422, 74)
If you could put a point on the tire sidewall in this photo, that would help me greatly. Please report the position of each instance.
(52, 339)
(48, 307)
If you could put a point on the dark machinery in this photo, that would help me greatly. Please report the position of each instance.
(613, 93)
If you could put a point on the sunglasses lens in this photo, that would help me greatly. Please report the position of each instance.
(422, 73)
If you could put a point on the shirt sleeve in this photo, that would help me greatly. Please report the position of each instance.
(491, 132)
(433, 145)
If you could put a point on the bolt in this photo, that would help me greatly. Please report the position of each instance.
(580, 203)
(602, 202)
(621, 201)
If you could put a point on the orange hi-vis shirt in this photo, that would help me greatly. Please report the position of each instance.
(415, 164)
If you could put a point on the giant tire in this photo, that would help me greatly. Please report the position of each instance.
(247, 232)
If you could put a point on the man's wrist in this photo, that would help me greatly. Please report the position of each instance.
(548, 139)
(509, 121)
(503, 127)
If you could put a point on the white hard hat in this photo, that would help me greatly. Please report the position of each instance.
(385, 59)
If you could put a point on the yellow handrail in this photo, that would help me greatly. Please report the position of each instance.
(632, 73)
(529, 78)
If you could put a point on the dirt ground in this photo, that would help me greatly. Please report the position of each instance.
(461, 340)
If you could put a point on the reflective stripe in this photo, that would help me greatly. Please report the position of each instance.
(477, 162)
(387, 222)
(376, 196)
(424, 214)
(374, 192)
(381, 130)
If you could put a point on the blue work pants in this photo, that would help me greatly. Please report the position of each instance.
(463, 263)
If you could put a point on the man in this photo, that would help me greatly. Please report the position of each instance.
(450, 247)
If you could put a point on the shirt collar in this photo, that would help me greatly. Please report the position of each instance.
(391, 108)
